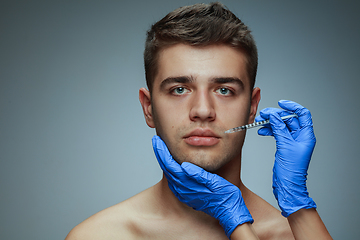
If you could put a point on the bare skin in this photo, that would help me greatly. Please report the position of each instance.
(202, 102)
(157, 214)
(210, 90)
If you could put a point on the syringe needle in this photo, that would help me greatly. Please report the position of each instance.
(256, 124)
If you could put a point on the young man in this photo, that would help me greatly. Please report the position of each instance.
(200, 64)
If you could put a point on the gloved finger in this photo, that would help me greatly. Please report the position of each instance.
(177, 181)
(303, 113)
(279, 128)
(166, 161)
(170, 168)
(195, 172)
(291, 123)
(265, 113)
(211, 181)
(265, 131)
(259, 118)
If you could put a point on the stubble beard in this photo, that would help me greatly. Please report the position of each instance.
(229, 151)
(205, 157)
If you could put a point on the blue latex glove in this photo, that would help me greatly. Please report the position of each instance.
(295, 142)
(202, 190)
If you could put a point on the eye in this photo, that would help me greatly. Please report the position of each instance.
(224, 91)
(179, 90)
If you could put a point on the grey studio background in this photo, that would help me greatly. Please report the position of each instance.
(73, 140)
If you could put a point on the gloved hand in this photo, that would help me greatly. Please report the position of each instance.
(295, 142)
(202, 190)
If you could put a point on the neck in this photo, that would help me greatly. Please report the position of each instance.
(230, 171)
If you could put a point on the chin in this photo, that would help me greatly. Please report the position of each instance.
(209, 164)
(214, 168)
(210, 159)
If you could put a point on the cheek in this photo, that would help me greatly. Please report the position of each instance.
(237, 115)
(244, 112)
(171, 112)
(166, 120)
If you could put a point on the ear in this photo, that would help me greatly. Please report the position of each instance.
(145, 100)
(255, 99)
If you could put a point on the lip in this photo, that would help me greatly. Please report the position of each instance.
(202, 132)
(202, 137)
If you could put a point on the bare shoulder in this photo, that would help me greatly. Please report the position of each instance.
(268, 221)
(116, 222)
(106, 224)
(275, 227)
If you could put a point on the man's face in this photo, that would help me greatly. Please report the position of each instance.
(198, 94)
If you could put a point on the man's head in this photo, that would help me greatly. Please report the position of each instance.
(199, 25)
(200, 88)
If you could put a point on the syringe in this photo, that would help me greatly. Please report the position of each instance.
(256, 124)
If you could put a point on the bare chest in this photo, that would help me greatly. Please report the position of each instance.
(178, 229)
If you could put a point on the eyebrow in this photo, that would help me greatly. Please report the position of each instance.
(181, 79)
(235, 80)
(190, 79)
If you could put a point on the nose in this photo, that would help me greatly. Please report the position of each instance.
(202, 107)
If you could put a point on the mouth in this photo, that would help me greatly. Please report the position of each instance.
(202, 137)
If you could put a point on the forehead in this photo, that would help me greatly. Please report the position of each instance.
(201, 62)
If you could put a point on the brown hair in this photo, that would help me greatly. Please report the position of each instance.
(199, 25)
